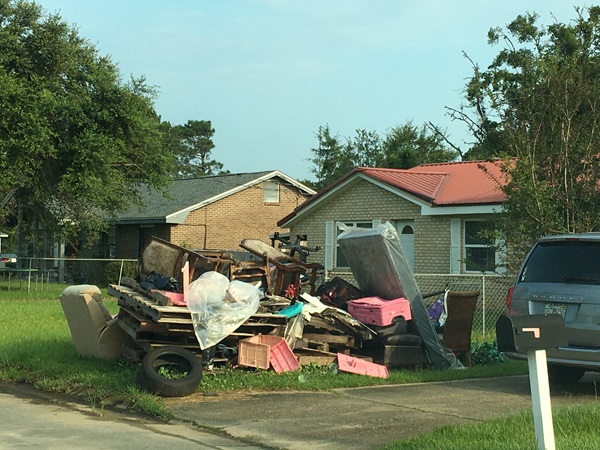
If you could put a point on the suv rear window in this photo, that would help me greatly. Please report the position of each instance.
(575, 262)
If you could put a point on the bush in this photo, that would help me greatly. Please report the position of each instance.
(486, 353)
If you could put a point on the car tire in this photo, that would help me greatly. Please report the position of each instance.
(564, 375)
(176, 359)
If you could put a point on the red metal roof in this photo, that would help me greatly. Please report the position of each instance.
(440, 184)
(460, 183)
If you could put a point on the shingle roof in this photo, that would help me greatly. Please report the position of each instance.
(188, 194)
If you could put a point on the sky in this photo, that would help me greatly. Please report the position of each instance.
(269, 73)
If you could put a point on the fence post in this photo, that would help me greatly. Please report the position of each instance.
(121, 271)
(29, 275)
(483, 304)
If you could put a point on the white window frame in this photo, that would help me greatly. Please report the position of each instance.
(466, 246)
(348, 223)
(271, 191)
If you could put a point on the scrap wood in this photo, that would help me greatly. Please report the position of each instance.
(148, 306)
(334, 321)
(311, 356)
(339, 339)
(154, 294)
(305, 343)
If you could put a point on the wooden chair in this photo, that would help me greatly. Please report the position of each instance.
(280, 270)
(168, 259)
(460, 306)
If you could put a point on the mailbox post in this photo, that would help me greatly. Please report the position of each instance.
(532, 335)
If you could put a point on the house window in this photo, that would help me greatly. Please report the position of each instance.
(340, 260)
(271, 191)
(480, 252)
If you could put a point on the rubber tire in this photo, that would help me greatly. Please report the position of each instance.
(149, 379)
(564, 375)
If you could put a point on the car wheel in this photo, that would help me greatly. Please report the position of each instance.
(564, 374)
(170, 372)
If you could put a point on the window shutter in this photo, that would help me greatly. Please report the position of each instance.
(329, 233)
(455, 246)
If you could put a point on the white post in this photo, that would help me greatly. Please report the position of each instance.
(121, 271)
(483, 304)
(540, 399)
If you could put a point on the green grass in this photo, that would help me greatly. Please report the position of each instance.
(36, 348)
(575, 427)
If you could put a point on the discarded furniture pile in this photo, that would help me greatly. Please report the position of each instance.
(317, 322)
(287, 320)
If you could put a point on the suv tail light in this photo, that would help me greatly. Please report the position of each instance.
(509, 297)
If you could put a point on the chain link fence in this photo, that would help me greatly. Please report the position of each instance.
(39, 273)
(492, 294)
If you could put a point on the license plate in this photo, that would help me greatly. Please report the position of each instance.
(555, 308)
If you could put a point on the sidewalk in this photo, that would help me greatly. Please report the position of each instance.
(364, 418)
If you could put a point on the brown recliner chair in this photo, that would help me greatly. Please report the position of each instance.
(94, 330)
(460, 306)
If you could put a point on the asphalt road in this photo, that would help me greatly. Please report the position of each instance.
(31, 419)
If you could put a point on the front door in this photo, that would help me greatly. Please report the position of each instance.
(406, 232)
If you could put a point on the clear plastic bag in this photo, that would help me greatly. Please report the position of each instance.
(219, 306)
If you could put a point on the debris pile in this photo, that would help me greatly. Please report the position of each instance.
(363, 329)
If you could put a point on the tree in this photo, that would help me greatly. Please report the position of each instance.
(403, 147)
(75, 141)
(407, 146)
(194, 147)
(542, 91)
(330, 159)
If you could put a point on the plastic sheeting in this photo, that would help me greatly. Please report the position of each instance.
(380, 269)
(220, 306)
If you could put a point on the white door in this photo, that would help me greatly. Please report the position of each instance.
(406, 231)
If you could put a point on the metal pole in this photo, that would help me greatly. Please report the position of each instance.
(121, 271)
(483, 303)
(29, 275)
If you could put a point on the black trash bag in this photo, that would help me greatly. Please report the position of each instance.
(162, 283)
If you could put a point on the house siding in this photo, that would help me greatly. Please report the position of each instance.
(432, 244)
(367, 201)
(223, 224)
(363, 201)
(128, 245)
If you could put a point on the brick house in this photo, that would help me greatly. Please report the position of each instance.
(212, 212)
(439, 211)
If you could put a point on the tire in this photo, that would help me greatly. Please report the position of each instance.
(175, 359)
(564, 375)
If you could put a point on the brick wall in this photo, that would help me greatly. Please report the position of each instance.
(366, 201)
(128, 239)
(363, 201)
(432, 244)
(222, 225)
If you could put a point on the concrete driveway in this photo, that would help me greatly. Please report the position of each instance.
(367, 418)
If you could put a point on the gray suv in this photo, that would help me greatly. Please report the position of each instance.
(561, 275)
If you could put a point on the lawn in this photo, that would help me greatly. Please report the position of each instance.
(575, 427)
(36, 347)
